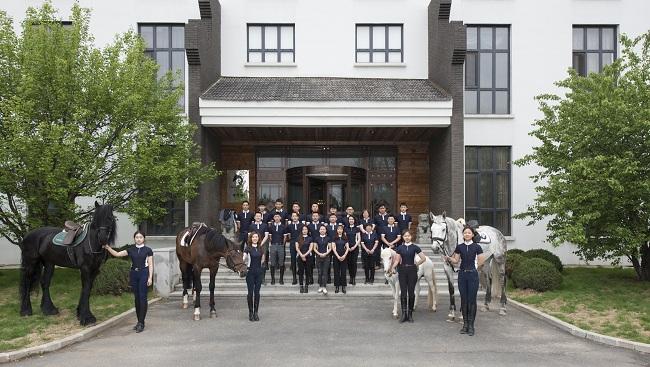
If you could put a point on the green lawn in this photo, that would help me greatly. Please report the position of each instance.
(19, 332)
(607, 301)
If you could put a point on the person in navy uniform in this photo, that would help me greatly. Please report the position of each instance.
(404, 219)
(470, 255)
(278, 233)
(302, 218)
(323, 249)
(294, 228)
(369, 245)
(354, 241)
(244, 219)
(390, 237)
(316, 209)
(340, 249)
(266, 218)
(255, 257)
(381, 221)
(141, 274)
(408, 273)
(349, 212)
(304, 247)
(365, 220)
(261, 227)
(335, 210)
(279, 208)
(314, 227)
(332, 224)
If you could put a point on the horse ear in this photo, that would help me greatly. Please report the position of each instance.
(431, 215)
(97, 204)
(444, 215)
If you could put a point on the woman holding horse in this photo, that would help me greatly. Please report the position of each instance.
(141, 274)
(255, 258)
(304, 246)
(340, 249)
(470, 255)
(322, 249)
(408, 273)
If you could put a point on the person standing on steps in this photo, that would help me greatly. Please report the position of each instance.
(255, 257)
(340, 249)
(323, 249)
(314, 227)
(261, 228)
(354, 241)
(470, 255)
(243, 219)
(369, 245)
(141, 274)
(381, 221)
(304, 246)
(278, 233)
(404, 219)
(294, 228)
(407, 269)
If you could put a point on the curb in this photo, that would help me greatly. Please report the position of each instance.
(68, 340)
(581, 333)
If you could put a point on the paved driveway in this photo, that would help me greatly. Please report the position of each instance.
(341, 332)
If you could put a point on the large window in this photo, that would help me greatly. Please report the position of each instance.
(165, 43)
(593, 48)
(271, 43)
(487, 70)
(170, 224)
(487, 186)
(379, 43)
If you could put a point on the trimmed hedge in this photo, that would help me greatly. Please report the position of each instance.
(513, 260)
(113, 277)
(537, 274)
(515, 251)
(546, 255)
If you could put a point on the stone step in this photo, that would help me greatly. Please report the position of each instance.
(287, 285)
(292, 292)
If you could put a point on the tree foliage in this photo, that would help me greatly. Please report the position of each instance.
(77, 120)
(594, 159)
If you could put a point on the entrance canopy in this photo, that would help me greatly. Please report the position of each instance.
(314, 102)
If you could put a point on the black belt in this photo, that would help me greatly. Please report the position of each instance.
(279, 244)
(407, 265)
(138, 269)
(468, 271)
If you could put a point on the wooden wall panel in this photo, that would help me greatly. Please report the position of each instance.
(237, 157)
(413, 179)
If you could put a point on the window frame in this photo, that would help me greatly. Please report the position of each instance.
(493, 51)
(600, 51)
(479, 171)
(386, 51)
(166, 230)
(279, 50)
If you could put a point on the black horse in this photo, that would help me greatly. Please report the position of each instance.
(40, 255)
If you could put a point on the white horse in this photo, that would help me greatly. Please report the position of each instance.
(425, 270)
(446, 234)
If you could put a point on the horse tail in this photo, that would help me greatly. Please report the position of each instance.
(30, 274)
(495, 274)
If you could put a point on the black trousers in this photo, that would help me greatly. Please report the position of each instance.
(304, 267)
(340, 267)
(468, 286)
(254, 283)
(323, 269)
(408, 276)
(139, 287)
(353, 256)
(368, 261)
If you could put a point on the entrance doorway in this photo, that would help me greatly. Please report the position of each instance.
(327, 186)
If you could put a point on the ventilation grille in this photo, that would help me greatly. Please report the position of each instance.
(193, 57)
(458, 57)
(444, 11)
(204, 9)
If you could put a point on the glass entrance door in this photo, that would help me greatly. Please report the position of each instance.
(327, 186)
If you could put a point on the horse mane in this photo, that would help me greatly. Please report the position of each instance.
(100, 216)
(214, 240)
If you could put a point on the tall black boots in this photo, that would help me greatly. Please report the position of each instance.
(471, 314)
(410, 308)
(256, 308)
(272, 275)
(250, 308)
(293, 273)
(404, 314)
(463, 310)
(281, 274)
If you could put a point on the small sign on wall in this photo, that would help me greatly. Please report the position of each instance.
(237, 182)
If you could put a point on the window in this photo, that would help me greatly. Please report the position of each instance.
(165, 43)
(593, 48)
(379, 43)
(171, 223)
(487, 70)
(271, 43)
(487, 186)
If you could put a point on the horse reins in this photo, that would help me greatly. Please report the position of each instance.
(442, 246)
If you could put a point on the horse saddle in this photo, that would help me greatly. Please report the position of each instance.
(71, 235)
(188, 237)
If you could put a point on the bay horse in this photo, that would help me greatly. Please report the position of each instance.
(446, 234)
(424, 271)
(39, 256)
(205, 251)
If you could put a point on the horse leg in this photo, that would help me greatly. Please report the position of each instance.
(488, 285)
(186, 273)
(417, 293)
(452, 301)
(504, 299)
(213, 274)
(395, 288)
(29, 275)
(47, 306)
(433, 290)
(83, 309)
(197, 288)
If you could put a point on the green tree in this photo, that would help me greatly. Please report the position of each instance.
(594, 181)
(76, 120)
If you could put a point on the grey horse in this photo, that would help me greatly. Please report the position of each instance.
(446, 233)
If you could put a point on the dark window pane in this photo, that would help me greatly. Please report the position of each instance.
(471, 190)
(382, 193)
(269, 162)
(486, 218)
(502, 222)
(471, 215)
(486, 190)
(471, 158)
(579, 62)
(485, 158)
(578, 39)
(502, 158)
(502, 191)
(470, 70)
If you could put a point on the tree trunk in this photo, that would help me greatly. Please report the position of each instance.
(645, 262)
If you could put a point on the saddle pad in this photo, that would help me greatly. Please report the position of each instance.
(484, 237)
(59, 237)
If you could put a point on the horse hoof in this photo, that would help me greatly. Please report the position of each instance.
(213, 314)
(502, 312)
(485, 309)
(25, 312)
(50, 312)
(395, 316)
(197, 317)
(90, 320)
(184, 305)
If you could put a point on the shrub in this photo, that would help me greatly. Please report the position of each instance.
(546, 255)
(512, 261)
(515, 251)
(113, 278)
(537, 274)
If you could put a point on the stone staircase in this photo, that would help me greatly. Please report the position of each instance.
(229, 284)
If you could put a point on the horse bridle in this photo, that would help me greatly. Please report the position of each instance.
(442, 245)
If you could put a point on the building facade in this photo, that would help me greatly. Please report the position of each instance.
(353, 102)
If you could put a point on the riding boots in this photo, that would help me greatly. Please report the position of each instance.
(410, 308)
(404, 314)
(293, 273)
(472, 316)
(250, 307)
(272, 275)
(463, 309)
(255, 309)
(282, 275)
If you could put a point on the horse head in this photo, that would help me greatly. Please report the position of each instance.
(104, 223)
(235, 261)
(439, 231)
(387, 259)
